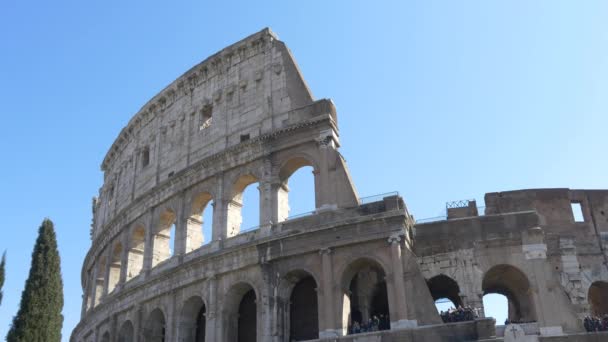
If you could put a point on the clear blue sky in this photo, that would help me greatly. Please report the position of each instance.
(440, 100)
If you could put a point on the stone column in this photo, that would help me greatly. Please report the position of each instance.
(268, 205)
(106, 279)
(327, 320)
(172, 317)
(211, 333)
(138, 325)
(149, 243)
(114, 328)
(265, 309)
(93, 286)
(267, 196)
(220, 214)
(181, 228)
(124, 259)
(324, 189)
(85, 300)
(401, 321)
(546, 308)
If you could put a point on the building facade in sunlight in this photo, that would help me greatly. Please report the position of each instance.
(245, 117)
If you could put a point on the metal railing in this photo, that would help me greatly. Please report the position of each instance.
(376, 198)
(362, 200)
(458, 204)
(480, 212)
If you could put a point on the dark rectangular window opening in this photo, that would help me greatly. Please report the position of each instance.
(145, 157)
(577, 211)
(244, 137)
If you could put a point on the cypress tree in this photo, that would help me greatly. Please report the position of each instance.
(2, 263)
(39, 318)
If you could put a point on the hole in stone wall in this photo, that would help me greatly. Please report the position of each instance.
(598, 300)
(577, 211)
(251, 207)
(497, 306)
(172, 240)
(145, 156)
(301, 191)
(512, 284)
(296, 195)
(244, 137)
(206, 117)
(244, 207)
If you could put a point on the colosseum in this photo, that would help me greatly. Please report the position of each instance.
(244, 116)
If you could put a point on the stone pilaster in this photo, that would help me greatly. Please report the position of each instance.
(328, 327)
(401, 321)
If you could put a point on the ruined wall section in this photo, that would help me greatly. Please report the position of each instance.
(248, 89)
(587, 237)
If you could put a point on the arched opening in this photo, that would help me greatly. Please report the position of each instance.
(512, 283)
(105, 337)
(366, 306)
(241, 311)
(497, 306)
(247, 329)
(100, 280)
(135, 260)
(115, 266)
(200, 222)
(126, 332)
(164, 237)
(192, 323)
(303, 309)
(297, 177)
(598, 298)
(445, 292)
(155, 328)
(244, 207)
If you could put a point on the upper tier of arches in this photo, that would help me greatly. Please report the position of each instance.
(245, 91)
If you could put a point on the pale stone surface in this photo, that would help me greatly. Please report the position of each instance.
(245, 116)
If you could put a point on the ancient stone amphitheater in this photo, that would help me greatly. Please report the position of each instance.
(245, 116)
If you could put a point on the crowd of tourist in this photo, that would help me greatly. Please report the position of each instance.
(594, 323)
(375, 323)
(459, 314)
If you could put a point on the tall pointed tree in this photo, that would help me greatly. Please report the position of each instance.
(39, 318)
(2, 264)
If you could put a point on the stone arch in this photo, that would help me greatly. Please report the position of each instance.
(192, 323)
(137, 243)
(287, 169)
(303, 312)
(126, 332)
(294, 162)
(105, 337)
(364, 293)
(598, 298)
(512, 283)
(442, 286)
(115, 266)
(194, 226)
(241, 313)
(155, 327)
(162, 249)
(235, 205)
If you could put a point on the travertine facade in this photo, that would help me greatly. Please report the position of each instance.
(245, 116)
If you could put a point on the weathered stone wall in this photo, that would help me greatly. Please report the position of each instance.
(245, 116)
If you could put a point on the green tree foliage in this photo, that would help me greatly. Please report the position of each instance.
(2, 264)
(39, 318)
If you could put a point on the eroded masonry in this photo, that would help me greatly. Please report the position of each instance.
(352, 269)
